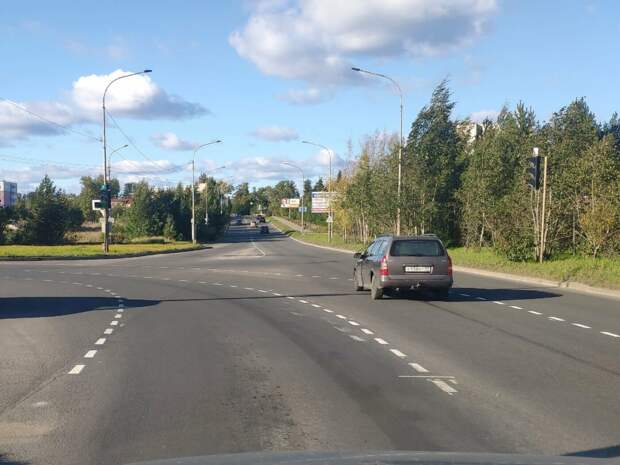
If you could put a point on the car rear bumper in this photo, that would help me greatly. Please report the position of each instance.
(416, 281)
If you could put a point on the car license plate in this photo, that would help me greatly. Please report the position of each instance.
(418, 269)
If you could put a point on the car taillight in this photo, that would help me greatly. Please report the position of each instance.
(449, 266)
(383, 269)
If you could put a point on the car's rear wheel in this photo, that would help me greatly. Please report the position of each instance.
(376, 292)
(357, 284)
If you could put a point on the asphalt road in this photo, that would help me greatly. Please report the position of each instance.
(261, 343)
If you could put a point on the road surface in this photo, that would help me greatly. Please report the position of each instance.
(261, 343)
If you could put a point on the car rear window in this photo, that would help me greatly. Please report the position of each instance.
(417, 248)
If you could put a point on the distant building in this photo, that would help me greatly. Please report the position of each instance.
(8, 194)
(125, 202)
(470, 130)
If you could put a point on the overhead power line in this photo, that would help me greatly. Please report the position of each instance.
(49, 121)
(137, 149)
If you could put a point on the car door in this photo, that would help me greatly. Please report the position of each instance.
(370, 263)
(363, 265)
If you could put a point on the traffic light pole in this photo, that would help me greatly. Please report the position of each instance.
(543, 232)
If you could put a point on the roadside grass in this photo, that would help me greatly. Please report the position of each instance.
(600, 272)
(88, 250)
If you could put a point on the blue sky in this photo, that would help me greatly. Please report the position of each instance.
(263, 75)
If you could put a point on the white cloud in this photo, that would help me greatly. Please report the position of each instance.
(276, 134)
(145, 167)
(309, 96)
(318, 40)
(138, 98)
(480, 116)
(270, 169)
(170, 141)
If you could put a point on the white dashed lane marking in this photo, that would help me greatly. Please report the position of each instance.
(515, 306)
(419, 368)
(90, 354)
(555, 318)
(607, 333)
(398, 353)
(353, 323)
(114, 323)
(303, 301)
(445, 387)
(367, 331)
(534, 312)
(498, 302)
(381, 341)
(342, 317)
(76, 370)
(100, 341)
(357, 338)
(316, 306)
(579, 325)
(327, 310)
(108, 331)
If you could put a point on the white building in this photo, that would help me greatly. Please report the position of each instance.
(8, 194)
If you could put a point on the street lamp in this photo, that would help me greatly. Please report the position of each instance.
(288, 163)
(106, 210)
(400, 141)
(330, 218)
(110, 164)
(194, 188)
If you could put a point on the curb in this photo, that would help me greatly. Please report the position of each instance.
(97, 257)
(570, 285)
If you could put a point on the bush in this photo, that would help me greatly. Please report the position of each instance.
(149, 240)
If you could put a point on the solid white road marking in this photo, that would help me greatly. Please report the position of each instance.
(606, 333)
(100, 341)
(356, 338)
(90, 354)
(367, 331)
(398, 353)
(328, 310)
(555, 318)
(533, 312)
(381, 341)
(342, 317)
(419, 368)
(76, 369)
(518, 308)
(108, 331)
(579, 325)
(353, 323)
(114, 323)
(445, 387)
(498, 302)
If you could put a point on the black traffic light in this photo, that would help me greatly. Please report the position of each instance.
(533, 172)
(106, 196)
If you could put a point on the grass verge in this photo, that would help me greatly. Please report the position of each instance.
(599, 272)
(88, 250)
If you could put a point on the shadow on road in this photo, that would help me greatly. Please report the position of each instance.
(502, 295)
(604, 452)
(41, 307)
(5, 460)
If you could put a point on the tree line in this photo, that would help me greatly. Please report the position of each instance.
(468, 183)
(48, 215)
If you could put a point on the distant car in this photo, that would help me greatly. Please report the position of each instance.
(403, 263)
(264, 229)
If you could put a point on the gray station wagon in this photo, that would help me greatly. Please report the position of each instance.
(402, 263)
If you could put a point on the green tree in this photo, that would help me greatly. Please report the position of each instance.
(49, 215)
(241, 200)
(140, 218)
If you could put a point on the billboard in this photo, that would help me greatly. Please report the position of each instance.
(290, 203)
(320, 202)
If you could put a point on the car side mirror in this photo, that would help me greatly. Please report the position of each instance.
(357, 255)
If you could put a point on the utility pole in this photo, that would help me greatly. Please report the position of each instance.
(330, 218)
(194, 189)
(543, 232)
